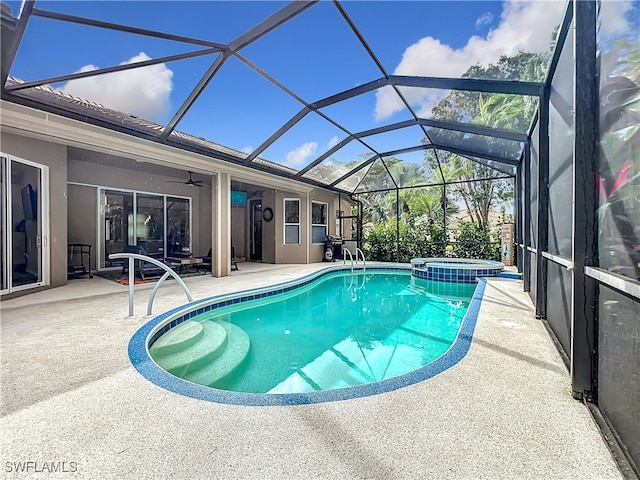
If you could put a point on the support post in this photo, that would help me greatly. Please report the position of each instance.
(584, 301)
(526, 228)
(132, 281)
(397, 225)
(517, 216)
(543, 204)
(444, 218)
(221, 197)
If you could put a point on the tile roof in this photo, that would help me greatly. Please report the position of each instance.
(50, 96)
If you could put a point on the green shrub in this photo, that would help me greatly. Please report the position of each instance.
(380, 241)
(427, 240)
(421, 240)
(472, 241)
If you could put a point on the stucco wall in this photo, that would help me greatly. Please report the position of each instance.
(239, 230)
(273, 248)
(269, 239)
(202, 221)
(55, 157)
(316, 251)
(81, 221)
(290, 253)
(132, 176)
(78, 216)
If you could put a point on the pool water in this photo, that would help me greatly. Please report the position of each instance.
(345, 329)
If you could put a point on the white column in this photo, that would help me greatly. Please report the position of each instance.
(221, 235)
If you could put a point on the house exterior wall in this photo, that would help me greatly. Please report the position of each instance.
(316, 250)
(239, 230)
(269, 229)
(202, 221)
(273, 248)
(82, 222)
(53, 156)
(290, 253)
(123, 162)
(129, 176)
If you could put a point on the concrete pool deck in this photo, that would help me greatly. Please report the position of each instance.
(70, 394)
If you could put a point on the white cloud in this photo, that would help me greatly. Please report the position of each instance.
(297, 157)
(333, 142)
(144, 92)
(484, 19)
(248, 150)
(523, 25)
(613, 17)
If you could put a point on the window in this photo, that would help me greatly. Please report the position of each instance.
(291, 221)
(318, 222)
(159, 223)
(178, 225)
(149, 222)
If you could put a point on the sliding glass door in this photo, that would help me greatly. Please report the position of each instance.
(159, 223)
(150, 224)
(178, 225)
(4, 227)
(23, 223)
(116, 213)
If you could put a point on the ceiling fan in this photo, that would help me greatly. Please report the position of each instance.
(191, 182)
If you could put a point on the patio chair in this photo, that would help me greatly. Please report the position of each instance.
(143, 269)
(206, 259)
(234, 261)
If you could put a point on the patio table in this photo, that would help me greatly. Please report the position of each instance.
(184, 262)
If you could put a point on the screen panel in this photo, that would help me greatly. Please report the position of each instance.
(533, 196)
(618, 169)
(533, 283)
(619, 366)
(561, 140)
(559, 287)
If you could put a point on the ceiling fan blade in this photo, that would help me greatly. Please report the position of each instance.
(186, 183)
(191, 182)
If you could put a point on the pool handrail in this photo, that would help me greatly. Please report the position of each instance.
(364, 262)
(344, 260)
(358, 254)
(132, 275)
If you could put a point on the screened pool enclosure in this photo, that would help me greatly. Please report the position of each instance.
(324, 94)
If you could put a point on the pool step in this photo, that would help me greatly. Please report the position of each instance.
(178, 338)
(210, 346)
(237, 349)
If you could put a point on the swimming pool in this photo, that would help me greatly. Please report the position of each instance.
(331, 335)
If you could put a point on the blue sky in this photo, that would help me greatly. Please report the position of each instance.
(315, 55)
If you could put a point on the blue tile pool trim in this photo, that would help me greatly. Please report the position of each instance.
(454, 275)
(142, 362)
(454, 270)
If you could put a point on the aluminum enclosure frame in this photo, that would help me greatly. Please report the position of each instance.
(20, 92)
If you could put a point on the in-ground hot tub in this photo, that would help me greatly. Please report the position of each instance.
(458, 270)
